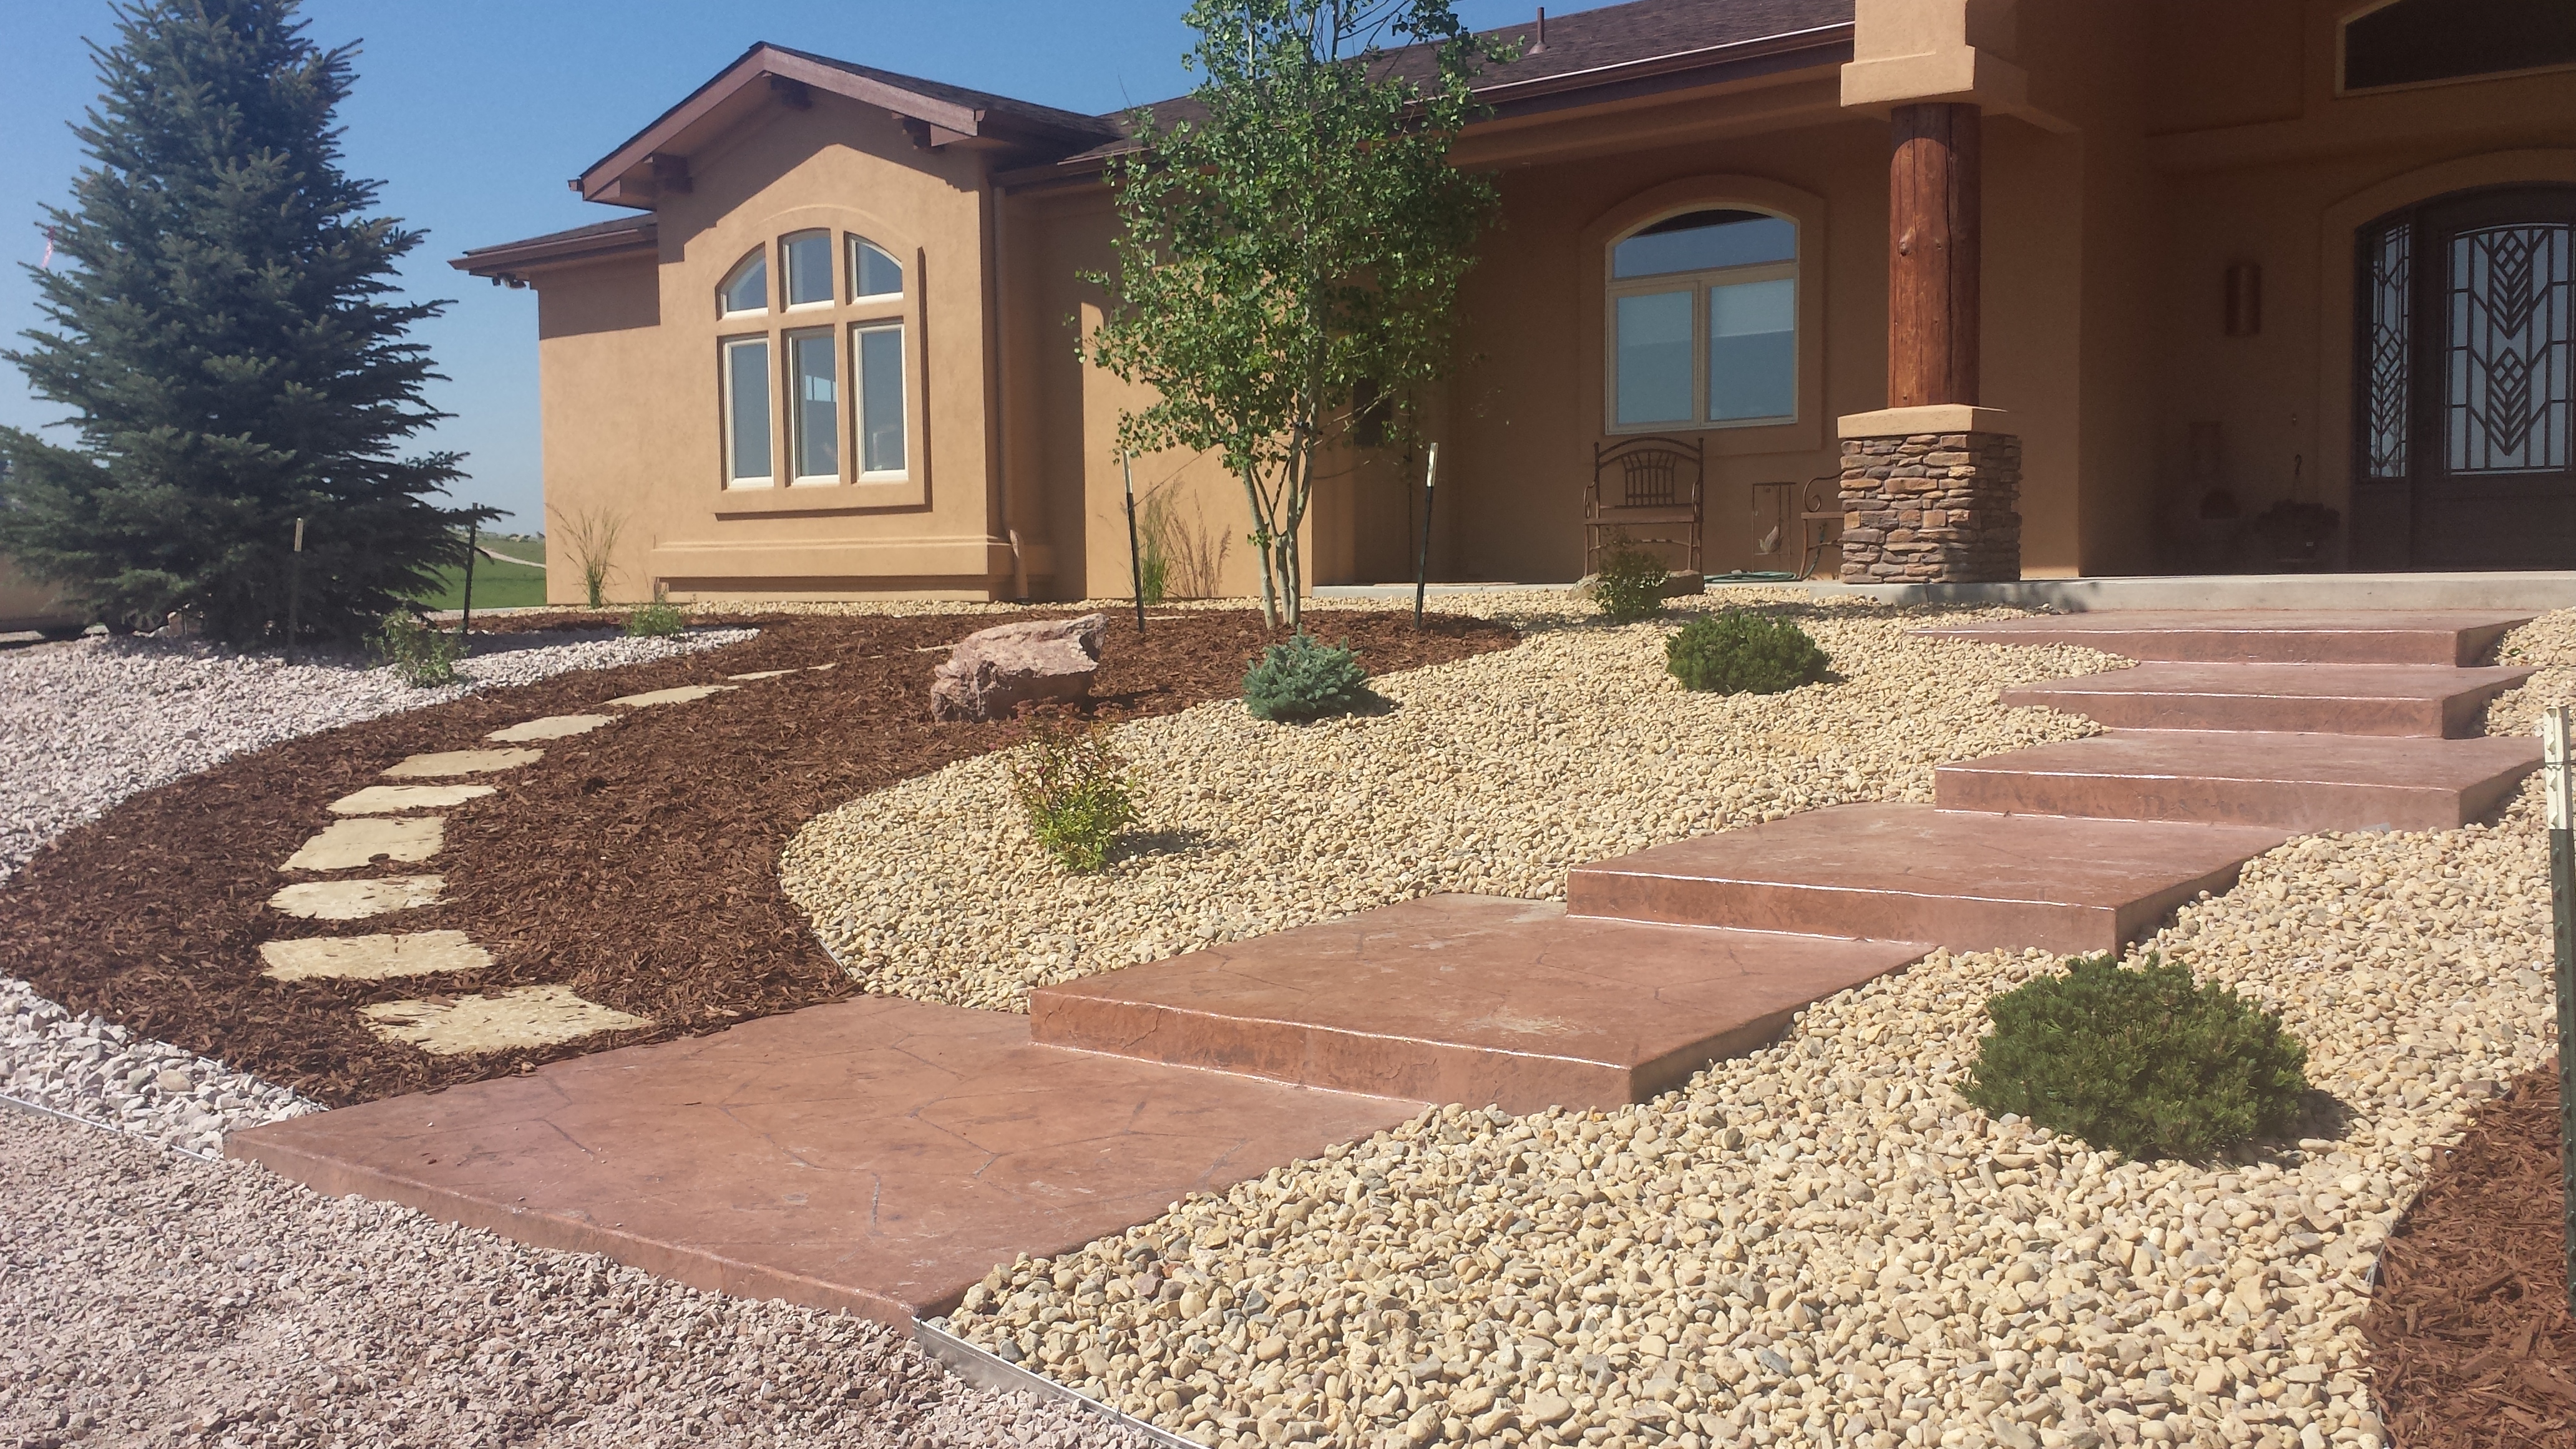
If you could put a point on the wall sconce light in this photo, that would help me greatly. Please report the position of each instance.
(2244, 299)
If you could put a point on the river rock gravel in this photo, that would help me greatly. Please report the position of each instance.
(149, 1300)
(84, 724)
(1492, 774)
(1820, 1243)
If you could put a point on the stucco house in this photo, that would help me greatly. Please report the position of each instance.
(2037, 289)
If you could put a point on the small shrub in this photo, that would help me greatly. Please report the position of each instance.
(1742, 653)
(1630, 586)
(1074, 788)
(1304, 680)
(421, 656)
(1154, 559)
(659, 619)
(2139, 1061)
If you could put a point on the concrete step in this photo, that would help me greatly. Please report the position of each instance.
(2453, 637)
(2297, 782)
(2422, 700)
(1472, 999)
(1966, 880)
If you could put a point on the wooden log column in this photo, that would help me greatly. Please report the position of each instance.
(1929, 489)
(1933, 260)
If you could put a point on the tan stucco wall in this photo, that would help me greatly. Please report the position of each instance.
(26, 603)
(629, 355)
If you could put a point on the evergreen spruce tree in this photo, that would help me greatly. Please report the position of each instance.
(227, 341)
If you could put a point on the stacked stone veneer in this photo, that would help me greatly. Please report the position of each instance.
(1931, 508)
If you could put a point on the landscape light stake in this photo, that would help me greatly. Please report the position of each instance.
(2557, 784)
(294, 589)
(465, 621)
(1135, 558)
(1422, 566)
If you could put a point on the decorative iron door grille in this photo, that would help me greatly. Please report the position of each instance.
(2465, 383)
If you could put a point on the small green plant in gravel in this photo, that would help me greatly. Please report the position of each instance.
(659, 619)
(1630, 586)
(2139, 1060)
(1737, 652)
(1303, 680)
(1075, 790)
(422, 656)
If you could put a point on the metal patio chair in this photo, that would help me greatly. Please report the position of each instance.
(1648, 490)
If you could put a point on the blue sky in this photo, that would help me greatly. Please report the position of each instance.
(472, 112)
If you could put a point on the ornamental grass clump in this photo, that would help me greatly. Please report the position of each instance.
(419, 655)
(1303, 680)
(1737, 652)
(1075, 790)
(1630, 586)
(659, 619)
(2139, 1060)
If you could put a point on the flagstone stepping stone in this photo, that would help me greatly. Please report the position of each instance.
(551, 727)
(530, 1016)
(372, 958)
(463, 762)
(392, 799)
(681, 695)
(348, 844)
(764, 674)
(355, 900)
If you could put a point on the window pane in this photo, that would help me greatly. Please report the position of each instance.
(809, 267)
(875, 273)
(2387, 348)
(2414, 41)
(2511, 352)
(881, 422)
(1752, 350)
(818, 406)
(747, 410)
(1654, 362)
(747, 290)
(1698, 240)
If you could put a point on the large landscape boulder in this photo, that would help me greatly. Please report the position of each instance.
(992, 672)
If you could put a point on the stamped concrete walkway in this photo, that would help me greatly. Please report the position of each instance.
(880, 1155)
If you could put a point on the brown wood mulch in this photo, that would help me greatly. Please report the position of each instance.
(2472, 1346)
(637, 865)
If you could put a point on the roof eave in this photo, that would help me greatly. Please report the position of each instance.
(510, 260)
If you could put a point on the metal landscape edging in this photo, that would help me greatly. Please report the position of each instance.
(989, 1371)
(39, 1109)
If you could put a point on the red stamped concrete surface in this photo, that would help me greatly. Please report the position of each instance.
(1473, 999)
(1912, 873)
(874, 1155)
(2425, 701)
(2261, 636)
(2298, 782)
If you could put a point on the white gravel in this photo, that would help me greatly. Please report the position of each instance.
(1493, 774)
(83, 1067)
(147, 1299)
(1821, 1243)
(87, 723)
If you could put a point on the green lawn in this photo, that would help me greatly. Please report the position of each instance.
(496, 585)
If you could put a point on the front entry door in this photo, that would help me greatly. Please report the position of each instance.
(2465, 361)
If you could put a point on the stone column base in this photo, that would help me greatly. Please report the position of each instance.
(1931, 507)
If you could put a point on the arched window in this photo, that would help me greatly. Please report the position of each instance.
(873, 272)
(1703, 315)
(809, 267)
(746, 287)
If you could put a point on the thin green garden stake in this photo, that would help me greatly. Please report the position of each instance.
(2561, 790)
(1135, 557)
(294, 589)
(465, 621)
(1422, 568)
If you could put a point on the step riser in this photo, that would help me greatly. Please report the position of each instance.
(2415, 719)
(1344, 1061)
(1958, 923)
(2281, 805)
(2459, 649)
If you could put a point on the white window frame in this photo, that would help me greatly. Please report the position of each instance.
(759, 254)
(725, 348)
(1698, 284)
(787, 271)
(859, 395)
(856, 241)
(795, 408)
